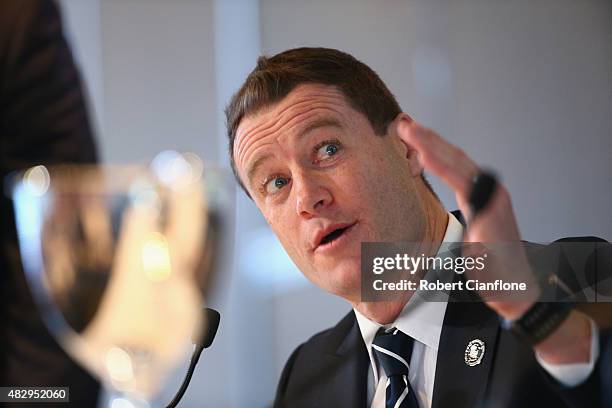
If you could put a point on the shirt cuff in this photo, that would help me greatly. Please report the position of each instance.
(571, 375)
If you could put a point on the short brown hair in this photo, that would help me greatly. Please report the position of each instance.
(275, 77)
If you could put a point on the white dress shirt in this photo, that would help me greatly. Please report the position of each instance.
(423, 320)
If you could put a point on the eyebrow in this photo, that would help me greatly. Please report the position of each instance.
(319, 123)
(315, 124)
(256, 164)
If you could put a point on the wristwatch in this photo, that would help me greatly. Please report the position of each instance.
(539, 321)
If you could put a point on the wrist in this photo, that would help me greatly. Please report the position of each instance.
(512, 310)
(540, 321)
(570, 343)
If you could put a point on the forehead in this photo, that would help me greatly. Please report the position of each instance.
(304, 104)
(307, 98)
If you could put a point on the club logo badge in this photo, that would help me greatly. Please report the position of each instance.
(474, 352)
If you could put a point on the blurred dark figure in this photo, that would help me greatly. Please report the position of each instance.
(43, 120)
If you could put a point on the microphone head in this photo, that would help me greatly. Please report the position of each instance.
(209, 330)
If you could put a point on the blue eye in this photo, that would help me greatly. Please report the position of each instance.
(331, 149)
(273, 185)
(326, 150)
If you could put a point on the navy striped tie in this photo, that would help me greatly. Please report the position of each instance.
(393, 350)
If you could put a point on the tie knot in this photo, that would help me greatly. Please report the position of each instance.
(393, 350)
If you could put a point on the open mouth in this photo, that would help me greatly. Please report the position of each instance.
(335, 234)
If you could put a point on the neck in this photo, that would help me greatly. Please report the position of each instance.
(385, 312)
(381, 312)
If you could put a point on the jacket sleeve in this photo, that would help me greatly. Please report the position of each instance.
(595, 391)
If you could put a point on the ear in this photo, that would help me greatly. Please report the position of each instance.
(397, 130)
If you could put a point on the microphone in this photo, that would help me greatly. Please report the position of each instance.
(201, 340)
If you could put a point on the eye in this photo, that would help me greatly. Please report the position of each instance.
(327, 149)
(274, 184)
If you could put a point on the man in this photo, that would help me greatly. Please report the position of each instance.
(324, 150)
(43, 120)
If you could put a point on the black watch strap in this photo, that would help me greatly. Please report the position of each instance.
(540, 321)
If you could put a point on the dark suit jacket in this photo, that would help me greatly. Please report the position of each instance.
(330, 369)
(43, 120)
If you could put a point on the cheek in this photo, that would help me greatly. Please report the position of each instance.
(283, 226)
(386, 197)
(362, 185)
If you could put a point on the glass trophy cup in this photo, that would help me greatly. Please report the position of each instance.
(118, 259)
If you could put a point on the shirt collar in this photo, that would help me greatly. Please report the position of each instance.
(419, 319)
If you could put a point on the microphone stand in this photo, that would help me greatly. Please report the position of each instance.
(201, 342)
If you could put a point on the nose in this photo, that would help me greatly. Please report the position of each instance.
(311, 195)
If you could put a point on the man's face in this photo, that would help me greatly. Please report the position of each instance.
(325, 182)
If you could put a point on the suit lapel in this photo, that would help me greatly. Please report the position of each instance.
(457, 384)
(348, 354)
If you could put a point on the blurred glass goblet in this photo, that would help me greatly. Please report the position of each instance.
(118, 259)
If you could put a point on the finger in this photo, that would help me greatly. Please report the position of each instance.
(440, 157)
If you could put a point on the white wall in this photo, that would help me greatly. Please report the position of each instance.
(159, 78)
(83, 31)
